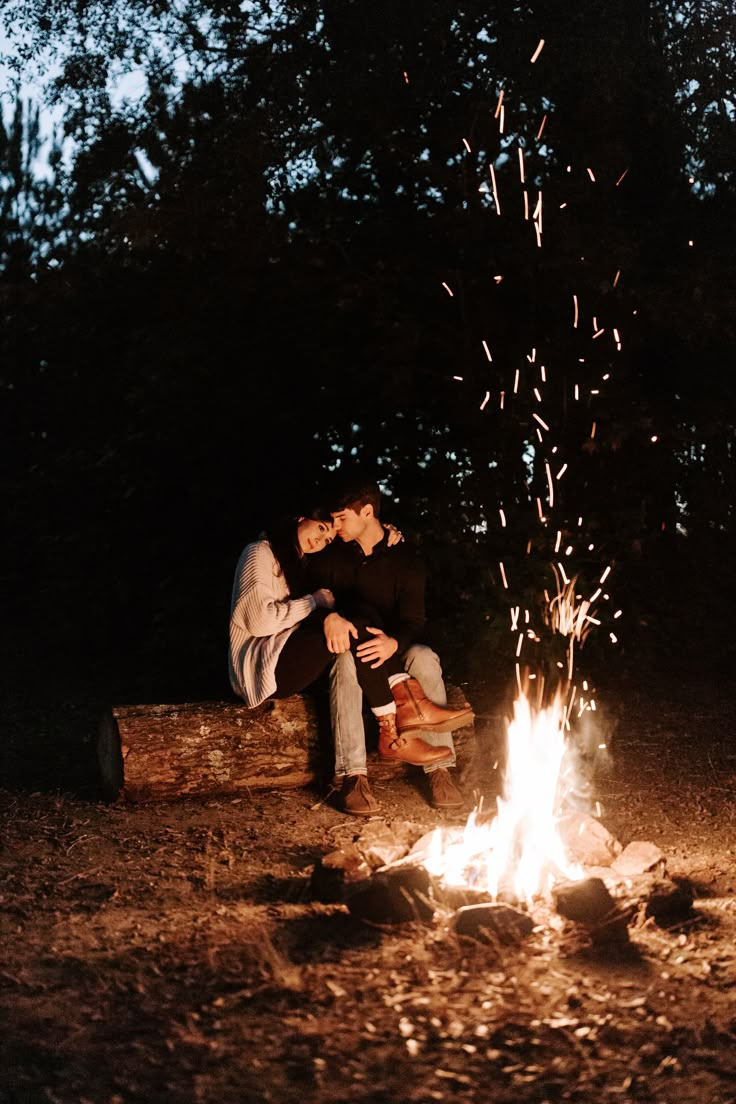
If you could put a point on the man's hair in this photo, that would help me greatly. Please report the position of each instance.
(355, 492)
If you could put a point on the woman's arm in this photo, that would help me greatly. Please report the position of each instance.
(262, 605)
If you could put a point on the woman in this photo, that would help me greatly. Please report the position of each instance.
(277, 641)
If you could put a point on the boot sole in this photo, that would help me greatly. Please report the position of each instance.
(441, 726)
(411, 762)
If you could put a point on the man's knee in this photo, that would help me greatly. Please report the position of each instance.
(420, 657)
(343, 669)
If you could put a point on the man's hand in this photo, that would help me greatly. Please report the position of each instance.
(338, 631)
(378, 650)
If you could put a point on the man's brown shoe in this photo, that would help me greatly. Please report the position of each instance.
(415, 710)
(412, 749)
(443, 793)
(356, 796)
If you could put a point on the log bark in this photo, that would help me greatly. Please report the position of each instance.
(165, 752)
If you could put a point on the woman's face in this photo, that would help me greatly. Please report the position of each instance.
(313, 536)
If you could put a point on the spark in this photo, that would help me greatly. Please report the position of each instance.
(614, 638)
(543, 373)
(595, 595)
(592, 431)
(457, 378)
(521, 164)
(485, 400)
(406, 77)
(539, 509)
(580, 522)
(503, 396)
(561, 472)
(538, 51)
(593, 620)
(550, 484)
(617, 613)
(541, 421)
(501, 119)
(503, 517)
(538, 232)
(448, 289)
(497, 279)
(605, 574)
(617, 338)
(654, 439)
(466, 143)
(577, 392)
(598, 334)
(537, 212)
(590, 174)
(558, 541)
(539, 132)
(518, 645)
(516, 381)
(563, 206)
(623, 174)
(526, 205)
(537, 395)
(562, 573)
(575, 319)
(531, 357)
(606, 376)
(615, 278)
(514, 611)
(487, 351)
(495, 191)
(498, 105)
(538, 431)
(503, 576)
(569, 550)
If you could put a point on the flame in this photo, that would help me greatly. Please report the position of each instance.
(519, 854)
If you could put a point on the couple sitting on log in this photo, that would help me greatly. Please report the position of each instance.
(304, 601)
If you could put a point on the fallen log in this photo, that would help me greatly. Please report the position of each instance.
(166, 752)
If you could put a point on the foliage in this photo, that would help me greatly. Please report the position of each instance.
(233, 279)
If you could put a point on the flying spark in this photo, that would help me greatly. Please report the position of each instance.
(538, 51)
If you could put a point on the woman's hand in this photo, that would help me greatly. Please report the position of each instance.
(395, 536)
(324, 598)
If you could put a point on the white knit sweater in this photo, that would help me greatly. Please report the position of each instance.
(262, 618)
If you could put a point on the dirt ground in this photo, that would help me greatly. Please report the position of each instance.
(173, 952)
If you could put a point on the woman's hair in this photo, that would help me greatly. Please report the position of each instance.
(282, 536)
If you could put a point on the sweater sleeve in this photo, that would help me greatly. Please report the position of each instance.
(262, 605)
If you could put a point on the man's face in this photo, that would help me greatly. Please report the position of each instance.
(350, 524)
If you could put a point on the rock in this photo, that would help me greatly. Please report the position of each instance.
(587, 841)
(585, 902)
(380, 845)
(335, 872)
(508, 925)
(394, 896)
(639, 857)
(671, 901)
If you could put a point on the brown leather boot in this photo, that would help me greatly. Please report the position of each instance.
(356, 796)
(415, 710)
(392, 745)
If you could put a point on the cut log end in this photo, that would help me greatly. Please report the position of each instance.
(110, 757)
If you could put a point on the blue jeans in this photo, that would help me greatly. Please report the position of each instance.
(346, 708)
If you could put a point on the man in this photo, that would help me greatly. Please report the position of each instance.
(379, 593)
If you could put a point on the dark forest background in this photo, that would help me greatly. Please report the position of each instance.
(217, 289)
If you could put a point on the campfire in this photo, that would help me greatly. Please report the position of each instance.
(519, 854)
